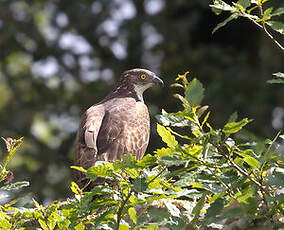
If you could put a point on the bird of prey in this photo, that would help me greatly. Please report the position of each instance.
(117, 125)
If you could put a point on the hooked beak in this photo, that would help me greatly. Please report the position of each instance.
(158, 81)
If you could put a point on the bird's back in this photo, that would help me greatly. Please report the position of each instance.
(111, 129)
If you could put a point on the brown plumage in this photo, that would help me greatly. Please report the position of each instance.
(117, 125)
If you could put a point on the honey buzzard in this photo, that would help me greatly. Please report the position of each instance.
(117, 125)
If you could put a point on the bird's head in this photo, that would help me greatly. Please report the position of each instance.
(138, 80)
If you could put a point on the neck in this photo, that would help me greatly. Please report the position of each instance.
(125, 90)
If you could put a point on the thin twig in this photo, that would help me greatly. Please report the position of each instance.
(120, 210)
(263, 26)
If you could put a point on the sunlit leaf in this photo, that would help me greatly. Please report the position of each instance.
(80, 226)
(166, 136)
(194, 92)
(249, 160)
(43, 225)
(221, 5)
(132, 215)
(279, 78)
(172, 119)
(234, 127)
(15, 186)
(123, 227)
(277, 26)
(174, 211)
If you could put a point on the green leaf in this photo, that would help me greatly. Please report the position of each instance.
(278, 11)
(220, 5)
(267, 13)
(172, 119)
(234, 127)
(222, 24)
(42, 224)
(277, 26)
(147, 161)
(123, 227)
(247, 197)
(279, 78)
(166, 135)
(194, 92)
(197, 209)
(213, 211)
(276, 178)
(100, 170)
(80, 226)
(140, 184)
(173, 210)
(279, 74)
(276, 81)
(15, 186)
(250, 160)
(4, 224)
(244, 3)
(81, 169)
(233, 117)
(132, 215)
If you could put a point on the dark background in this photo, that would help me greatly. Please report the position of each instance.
(59, 57)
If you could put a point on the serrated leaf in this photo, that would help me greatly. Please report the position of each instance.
(147, 161)
(277, 26)
(163, 152)
(234, 127)
(194, 92)
(132, 215)
(278, 11)
(14, 186)
(276, 178)
(100, 170)
(222, 24)
(166, 136)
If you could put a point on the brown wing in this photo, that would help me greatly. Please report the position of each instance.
(125, 129)
(111, 129)
(86, 140)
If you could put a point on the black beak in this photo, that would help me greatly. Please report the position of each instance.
(158, 81)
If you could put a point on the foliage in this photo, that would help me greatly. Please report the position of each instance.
(203, 178)
(57, 58)
(254, 11)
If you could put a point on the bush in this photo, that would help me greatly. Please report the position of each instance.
(205, 178)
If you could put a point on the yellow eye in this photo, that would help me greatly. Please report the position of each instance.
(143, 76)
